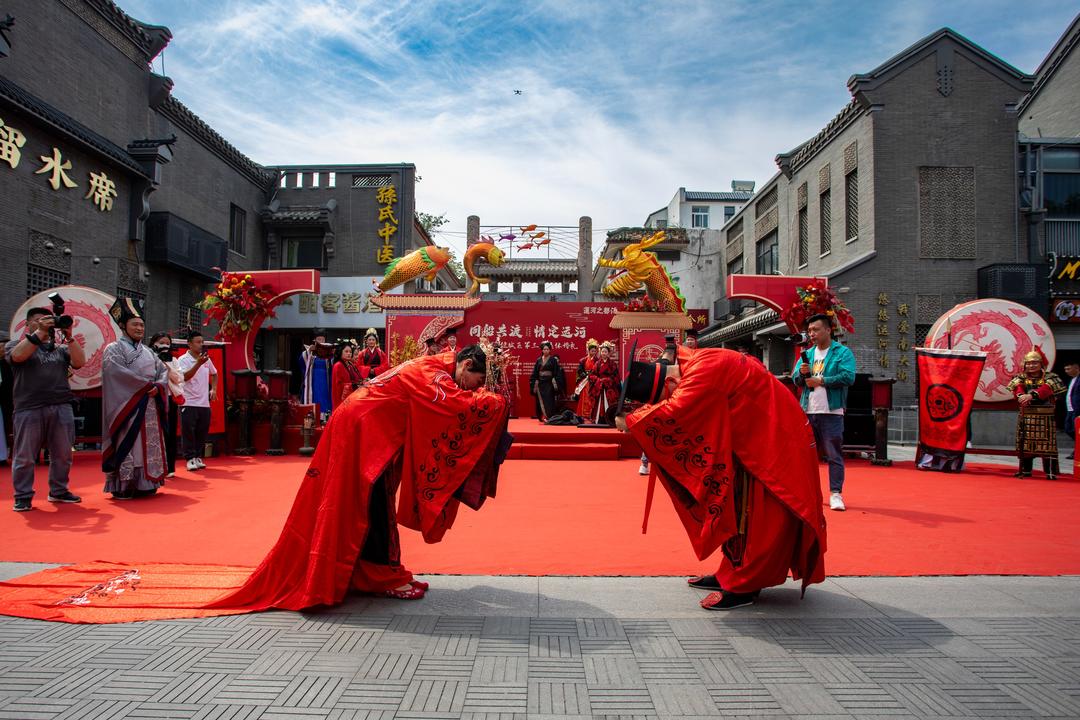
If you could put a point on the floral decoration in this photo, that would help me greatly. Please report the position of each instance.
(236, 303)
(817, 298)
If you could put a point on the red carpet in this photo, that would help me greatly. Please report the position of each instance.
(566, 518)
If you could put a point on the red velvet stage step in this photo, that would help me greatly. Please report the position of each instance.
(535, 441)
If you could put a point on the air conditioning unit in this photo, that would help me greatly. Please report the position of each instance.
(1024, 283)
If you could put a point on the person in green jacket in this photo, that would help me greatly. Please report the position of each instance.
(825, 371)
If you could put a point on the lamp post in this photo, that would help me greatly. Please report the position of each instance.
(244, 382)
(881, 390)
(278, 383)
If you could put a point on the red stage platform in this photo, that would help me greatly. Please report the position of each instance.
(535, 441)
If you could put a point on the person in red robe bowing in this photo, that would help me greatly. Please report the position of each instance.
(372, 361)
(427, 431)
(733, 449)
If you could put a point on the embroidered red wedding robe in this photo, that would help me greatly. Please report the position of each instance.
(729, 409)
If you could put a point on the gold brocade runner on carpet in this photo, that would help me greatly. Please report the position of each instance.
(106, 592)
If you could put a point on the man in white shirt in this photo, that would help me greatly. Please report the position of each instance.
(1072, 401)
(200, 389)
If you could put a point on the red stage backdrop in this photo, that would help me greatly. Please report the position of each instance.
(948, 380)
(520, 327)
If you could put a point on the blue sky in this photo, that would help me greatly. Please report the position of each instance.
(622, 102)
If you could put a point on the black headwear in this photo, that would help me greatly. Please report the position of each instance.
(644, 381)
(125, 309)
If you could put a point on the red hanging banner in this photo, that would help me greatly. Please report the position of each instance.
(947, 383)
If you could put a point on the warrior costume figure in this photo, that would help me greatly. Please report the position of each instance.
(1036, 391)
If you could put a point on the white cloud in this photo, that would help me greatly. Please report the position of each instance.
(622, 103)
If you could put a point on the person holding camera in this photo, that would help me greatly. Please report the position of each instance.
(134, 383)
(43, 416)
(825, 371)
(199, 391)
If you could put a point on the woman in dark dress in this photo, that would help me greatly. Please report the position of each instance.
(546, 382)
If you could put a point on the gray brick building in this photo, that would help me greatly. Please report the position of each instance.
(77, 90)
(897, 201)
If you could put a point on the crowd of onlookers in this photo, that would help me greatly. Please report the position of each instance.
(148, 398)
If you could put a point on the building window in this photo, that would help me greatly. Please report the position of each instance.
(123, 292)
(40, 278)
(1061, 182)
(946, 213)
(237, 225)
(735, 231)
(668, 255)
(851, 205)
(660, 224)
(366, 181)
(804, 237)
(766, 202)
(825, 207)
(303, 252)
(768, 261)
(735, 267)
(699, 216)
(189, 317)
(729, 212)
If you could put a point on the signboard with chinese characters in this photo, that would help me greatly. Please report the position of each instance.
(387, 198)
(343, 302)
(520, 327)
(699, 318)
(59, 172)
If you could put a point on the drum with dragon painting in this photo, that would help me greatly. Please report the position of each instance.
(93, 327)
(1004, 330)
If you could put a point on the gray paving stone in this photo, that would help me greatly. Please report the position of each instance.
(558, 698)
(500, 670)
(783, 658)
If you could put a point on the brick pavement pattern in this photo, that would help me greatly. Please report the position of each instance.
(362, 661)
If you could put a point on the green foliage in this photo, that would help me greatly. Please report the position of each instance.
(431, 223)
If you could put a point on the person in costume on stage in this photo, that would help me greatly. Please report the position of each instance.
(372, 361)
(134, 384)
(733, 449)
(545, 383)
(431, 347)
(346, 376)
(1036, 392)
(315, 361)
(691, 340)
(450, 341)
(585, 369)
(604, 386)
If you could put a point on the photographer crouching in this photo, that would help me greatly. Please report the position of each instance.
(43, 416)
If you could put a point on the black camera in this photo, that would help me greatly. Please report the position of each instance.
(63, 322)
(799, 339)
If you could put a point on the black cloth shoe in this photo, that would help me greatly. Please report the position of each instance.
(66, 497)
(123, 496)
(705, 582)
(22, 505)
(728, 600)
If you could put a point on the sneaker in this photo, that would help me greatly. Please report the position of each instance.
(202, 465)
(192, 465)
(643, 470)
(22, 505)
(66, 497)
(836, 502)
(727, 600)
